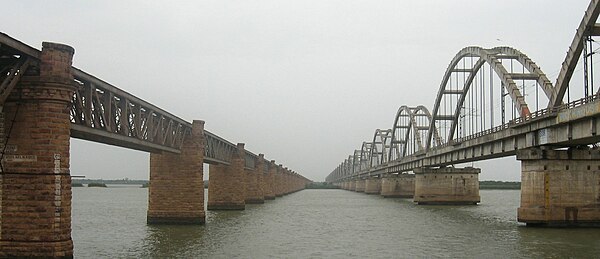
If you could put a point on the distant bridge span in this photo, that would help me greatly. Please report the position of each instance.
(44, 101)
(495, 103)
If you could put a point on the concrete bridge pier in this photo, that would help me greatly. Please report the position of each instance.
(352, 185)
(360, 185)
(176, 190)
(373, 185)
(398, 186)
(226, 190)
(35, 182)
(560, 187)
(447, 185)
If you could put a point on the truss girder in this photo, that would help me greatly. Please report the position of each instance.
(11, 74)
(103, 113)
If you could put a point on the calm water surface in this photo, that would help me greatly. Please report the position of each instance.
(111, 222)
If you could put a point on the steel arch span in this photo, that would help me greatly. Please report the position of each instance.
(464, 80)
(411, 126)
(379, 147)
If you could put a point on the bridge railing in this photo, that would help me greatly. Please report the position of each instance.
(543, 113)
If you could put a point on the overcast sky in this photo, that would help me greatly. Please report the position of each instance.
(305, 82)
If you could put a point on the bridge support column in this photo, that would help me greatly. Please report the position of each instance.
(278, 184)
(398, 186)
(176, 191)
(373, 186)
(360, 185)
(35, 182)
(270, 181)
(560, 187)
(352, 185)
(226, 190)
(447, 185)
(253, 184)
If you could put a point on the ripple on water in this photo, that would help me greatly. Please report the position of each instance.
(110, 222)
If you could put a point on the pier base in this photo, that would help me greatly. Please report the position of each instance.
(176, 190)
(352, 185)
(373, 186)
(253, 189)
(35, 182)
(398, 186)
(226, 190)
(560, 187)
(270, 180)
(360, 185)
(447, 186)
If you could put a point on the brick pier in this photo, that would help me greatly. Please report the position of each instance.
(35, 181)
(176, 191)
(227, 184)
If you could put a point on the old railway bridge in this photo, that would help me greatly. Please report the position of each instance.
(494, 103)
(44, 101)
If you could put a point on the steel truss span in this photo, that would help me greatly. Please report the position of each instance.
(490, 103)
(101, 112)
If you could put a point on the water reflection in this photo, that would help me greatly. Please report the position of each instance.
(173, 240)
(559, 242)
(321, 224)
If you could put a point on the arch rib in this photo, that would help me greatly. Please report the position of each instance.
(570, 62)
(491, 57)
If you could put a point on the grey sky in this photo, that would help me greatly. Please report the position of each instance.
(304, 82)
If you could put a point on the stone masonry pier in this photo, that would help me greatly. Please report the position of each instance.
(398, 186)
(447, 185)
(44, 101)
(35, 192)
(560, 187)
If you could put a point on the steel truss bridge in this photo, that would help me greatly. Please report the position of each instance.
(101, 112)
(490, 103)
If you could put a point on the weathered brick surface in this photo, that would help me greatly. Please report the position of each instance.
(35, 192)
(261, 178)
(253, 192)
(254, 183)
(270, 181)
(447, 185)
(226, 190)
(560, 187)
(278, 181)
(176, 191)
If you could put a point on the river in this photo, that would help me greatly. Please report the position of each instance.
(111, 222)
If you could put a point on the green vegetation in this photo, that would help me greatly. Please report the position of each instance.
(145, 185)
(96, 185)
(499, 185)
(76, 185)
(205, 184)
(320, 185)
